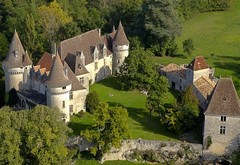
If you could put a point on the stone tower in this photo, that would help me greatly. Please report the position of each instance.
(120, 48)
(16, 66)
(58, 87)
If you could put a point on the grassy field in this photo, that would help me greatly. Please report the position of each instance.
(140, 123)
(216, 36)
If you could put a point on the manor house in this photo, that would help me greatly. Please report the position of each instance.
(197, 73)
(62, 78)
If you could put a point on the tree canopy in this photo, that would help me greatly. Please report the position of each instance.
(109, 128)
(36, 136)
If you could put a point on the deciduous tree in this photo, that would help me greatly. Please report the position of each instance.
(109, 129)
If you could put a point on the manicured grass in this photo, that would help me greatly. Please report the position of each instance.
(139, 121)
(216, 36)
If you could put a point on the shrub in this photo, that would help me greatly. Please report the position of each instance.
(208, 142)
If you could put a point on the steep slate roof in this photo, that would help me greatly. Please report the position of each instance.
(16, 47)
(83, 43)
(205, 86)
(198, 63)
(120, 37)
(57, 76)
(26, 59)
(175, 70)
(76, 85)
(224, 100)
(76, 65)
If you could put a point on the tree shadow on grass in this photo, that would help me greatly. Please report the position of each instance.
(111, 82)
(179, 56)
(149, 123)
(233, 66)
(77, 127)
(235, 58)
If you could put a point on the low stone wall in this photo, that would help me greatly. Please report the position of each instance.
(155, 151)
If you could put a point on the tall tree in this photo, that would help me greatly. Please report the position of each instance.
(161, 22)
(51, 18)
(157, 94)
(109, 129)
(137, 71)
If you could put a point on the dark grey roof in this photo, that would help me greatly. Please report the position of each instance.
(34, 96)
(76, 64)
(120, 37)
(57, 77)
(26, 59)
(224, 100)
(76, 85)
(16, 56)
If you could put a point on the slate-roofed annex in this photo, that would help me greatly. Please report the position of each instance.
(16, 56)
(224, 100)
(198, 63)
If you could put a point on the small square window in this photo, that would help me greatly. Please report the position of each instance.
(81, 80)
(71, 95)
(63, 87)
(223, 118)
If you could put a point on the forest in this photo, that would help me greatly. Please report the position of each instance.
(151, 24)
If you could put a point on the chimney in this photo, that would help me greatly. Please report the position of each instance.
(99, 32)
(54, 49)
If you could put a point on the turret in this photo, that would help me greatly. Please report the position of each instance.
(58, 87)
(16, 65)
(120, 48)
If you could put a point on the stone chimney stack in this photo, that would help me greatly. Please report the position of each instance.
(54, 49)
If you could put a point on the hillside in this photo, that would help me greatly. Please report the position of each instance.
(216, 36)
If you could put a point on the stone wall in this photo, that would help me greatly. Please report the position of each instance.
(155, 151)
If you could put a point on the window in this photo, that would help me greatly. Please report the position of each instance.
(63, 87)
(180, 80)
(71, 108)
(81, 79)
(105, 62)
(71, 95)
(118, 61)
(223, 118)
(222, 130)
(63, 104)
(96, 65)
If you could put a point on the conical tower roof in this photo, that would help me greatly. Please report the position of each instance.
(57, 77)
(15, 54)
(120, 37)
(26, 59)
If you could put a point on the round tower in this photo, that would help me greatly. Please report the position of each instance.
(120, 48)
(58, 87)
(16, 65)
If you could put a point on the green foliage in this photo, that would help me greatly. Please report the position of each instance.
(51, 18)
(137, 72)
(161, 23)
(34, 136)
(188, 46)
(181, 116)
(92, 101)
(208, 142)
(235, 157)
(109, 128)
(157, 94)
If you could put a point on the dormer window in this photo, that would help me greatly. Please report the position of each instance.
(79, 66)
(16, 53)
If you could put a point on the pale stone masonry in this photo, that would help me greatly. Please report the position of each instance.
(197, 73)
(222, 118)
(62, 78)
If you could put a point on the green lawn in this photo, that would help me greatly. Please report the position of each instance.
(140, 123)
(216, 36)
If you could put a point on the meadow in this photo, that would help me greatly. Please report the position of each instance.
(216, 36)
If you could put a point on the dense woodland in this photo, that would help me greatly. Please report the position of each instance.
(152, 23)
